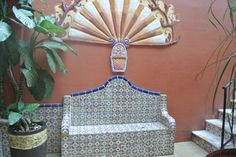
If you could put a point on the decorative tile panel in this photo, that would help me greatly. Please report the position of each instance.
(52, 115)
(115, 103)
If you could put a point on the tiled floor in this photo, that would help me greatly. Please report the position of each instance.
(182, 149)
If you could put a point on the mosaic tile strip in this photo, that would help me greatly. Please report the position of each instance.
(52, 115)
(117, 110)
(51, 105)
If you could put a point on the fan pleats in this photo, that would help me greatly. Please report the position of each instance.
(106, 21)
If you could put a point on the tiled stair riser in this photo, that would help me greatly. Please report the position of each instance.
(203, 144)
(216, 130)
(52, 115)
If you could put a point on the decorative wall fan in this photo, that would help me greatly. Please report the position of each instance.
(119, 23)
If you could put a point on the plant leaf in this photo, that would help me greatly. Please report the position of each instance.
(5, 31)
(31, 76)
(53, 45)
(41, 29)
(12, 107)
(44, 86)
(23, 2)
(4, 64)
(48, 18)
(48, 81)
(3, 9)
(57, 59)
(42, 1)
(38, 91)
(222, 72)
(20, 106)
(61, 41)
(23, 18)
(35, 118)
(26, 53)
(51, 62)
(12, 49)
(232, 5)
(52, 28)
(30, 1)
(14, 117)
(30, 108)
(26, 12)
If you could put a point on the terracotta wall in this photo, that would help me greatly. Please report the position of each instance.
(170, 70)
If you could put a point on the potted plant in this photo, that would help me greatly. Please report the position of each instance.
(27, 135)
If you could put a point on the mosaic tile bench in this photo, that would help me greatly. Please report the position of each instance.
(117, 119)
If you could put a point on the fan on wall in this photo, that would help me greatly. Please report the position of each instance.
(119, 23)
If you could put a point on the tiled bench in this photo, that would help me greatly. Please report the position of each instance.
(117, 119)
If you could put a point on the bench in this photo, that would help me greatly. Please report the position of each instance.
(117, 119)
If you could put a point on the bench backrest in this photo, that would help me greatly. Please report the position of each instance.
(116, 102)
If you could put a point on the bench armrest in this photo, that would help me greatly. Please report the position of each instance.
(166, 119)
(66, 119)
(65, 126)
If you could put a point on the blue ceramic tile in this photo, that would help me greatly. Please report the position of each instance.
(95, 90)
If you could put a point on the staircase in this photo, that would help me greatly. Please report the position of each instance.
(210, 138)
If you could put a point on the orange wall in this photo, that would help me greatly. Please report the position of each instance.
(170, 70)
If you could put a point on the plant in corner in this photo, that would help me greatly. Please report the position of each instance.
(223, 57)
(18, 62)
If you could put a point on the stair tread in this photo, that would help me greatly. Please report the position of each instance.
(218, 123)
(211, 138)
(228, 111)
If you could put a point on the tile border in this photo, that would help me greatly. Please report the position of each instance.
(50, 105)
(111, 79)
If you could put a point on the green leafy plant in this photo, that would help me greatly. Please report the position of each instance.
(22, 116)
(18, 57)
(223, 57)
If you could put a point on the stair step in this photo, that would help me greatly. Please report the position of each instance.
(228, 112)
(208, 140)
(215, 126)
